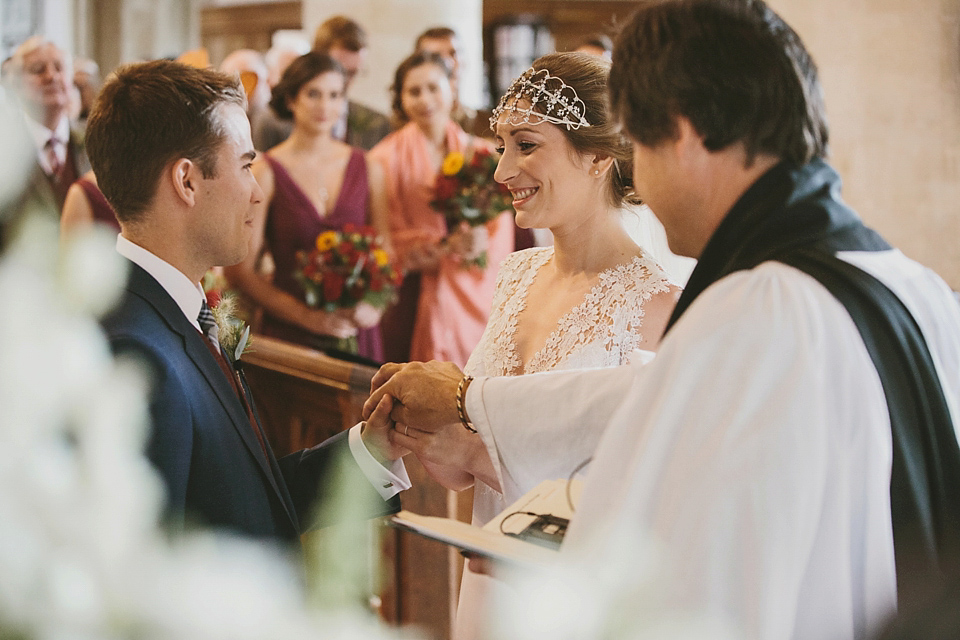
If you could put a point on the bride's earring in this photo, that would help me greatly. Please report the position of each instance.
(596, 172)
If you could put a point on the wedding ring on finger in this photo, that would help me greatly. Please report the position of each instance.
(406, 428)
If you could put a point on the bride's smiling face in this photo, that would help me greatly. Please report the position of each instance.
(552, 185)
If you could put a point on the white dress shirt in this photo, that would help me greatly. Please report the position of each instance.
(189, 297)
(41, 135)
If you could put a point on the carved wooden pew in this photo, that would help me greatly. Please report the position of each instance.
(304, 397)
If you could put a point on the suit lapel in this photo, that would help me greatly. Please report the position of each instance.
(143, 285)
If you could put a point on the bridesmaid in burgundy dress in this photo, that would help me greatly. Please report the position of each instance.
(85, 205)
(312, 183)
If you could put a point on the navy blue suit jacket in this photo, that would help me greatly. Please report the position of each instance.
(202, 442)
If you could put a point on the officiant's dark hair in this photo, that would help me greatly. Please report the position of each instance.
(733, 68)
(149, 114)
(298, 73)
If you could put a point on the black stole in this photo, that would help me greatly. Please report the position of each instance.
(794, 214)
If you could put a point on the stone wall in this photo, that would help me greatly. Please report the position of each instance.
(891, 76)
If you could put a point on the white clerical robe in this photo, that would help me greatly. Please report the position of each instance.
(756, 448)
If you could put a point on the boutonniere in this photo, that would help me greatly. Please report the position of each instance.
(234, 333)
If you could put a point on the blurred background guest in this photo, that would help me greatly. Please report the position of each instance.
(266, 128)
(599, 45)
(312, 183)
(443, 306)
(345, 41)
(252, 69)
(444, 42)
(86, 78)
(86, 205)
(40, 77)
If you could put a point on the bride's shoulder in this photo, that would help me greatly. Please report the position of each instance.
(646, 266)
(638, 279)
(525, 258)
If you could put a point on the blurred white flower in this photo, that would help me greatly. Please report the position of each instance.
(81, 553)
(91, 271)
(18, 153)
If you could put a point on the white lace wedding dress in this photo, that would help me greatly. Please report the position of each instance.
(603, 330)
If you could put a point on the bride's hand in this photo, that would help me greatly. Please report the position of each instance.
(448, 477)
(450, 446)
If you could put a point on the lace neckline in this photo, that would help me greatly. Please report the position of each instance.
(610, 312)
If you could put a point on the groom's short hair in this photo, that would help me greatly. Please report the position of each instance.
(733, 68)
(148, 115)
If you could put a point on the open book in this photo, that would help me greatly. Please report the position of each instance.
(527, 532)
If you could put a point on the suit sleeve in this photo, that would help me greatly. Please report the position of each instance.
(327, 485)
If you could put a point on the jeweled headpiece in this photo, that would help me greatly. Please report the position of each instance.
(559, 101)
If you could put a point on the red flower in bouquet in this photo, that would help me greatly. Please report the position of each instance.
(467, 195)
(346, 268)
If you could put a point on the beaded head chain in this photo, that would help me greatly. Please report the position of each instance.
(558, 102)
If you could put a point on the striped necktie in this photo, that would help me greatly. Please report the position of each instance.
(53, 159)
(208, 325)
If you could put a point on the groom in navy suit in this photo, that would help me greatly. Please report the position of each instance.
(171, 149)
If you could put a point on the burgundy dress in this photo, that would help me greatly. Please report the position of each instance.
(102, 211)
(293, 224)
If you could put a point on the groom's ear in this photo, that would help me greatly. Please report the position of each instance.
(184, 175)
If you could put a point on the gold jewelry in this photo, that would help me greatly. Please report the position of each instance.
(464, 381)
(406, 428)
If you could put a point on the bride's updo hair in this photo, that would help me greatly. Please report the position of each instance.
(587, 75)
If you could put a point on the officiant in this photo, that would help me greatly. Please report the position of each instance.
(792, 445)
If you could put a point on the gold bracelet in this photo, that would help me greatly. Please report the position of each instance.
(464, 381)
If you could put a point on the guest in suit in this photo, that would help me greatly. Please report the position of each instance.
(40, 77)
(360, 126)
(171, 148)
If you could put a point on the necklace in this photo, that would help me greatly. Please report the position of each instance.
(324, 196)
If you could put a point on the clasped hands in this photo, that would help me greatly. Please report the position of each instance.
(412, 408)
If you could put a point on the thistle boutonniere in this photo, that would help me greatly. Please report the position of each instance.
(234, 333)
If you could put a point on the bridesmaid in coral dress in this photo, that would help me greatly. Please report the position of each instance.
(443, 306)
(311, 183)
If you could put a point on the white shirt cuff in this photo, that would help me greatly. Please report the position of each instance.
(387, 482)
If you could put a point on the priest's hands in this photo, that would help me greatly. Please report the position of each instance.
(424, 393)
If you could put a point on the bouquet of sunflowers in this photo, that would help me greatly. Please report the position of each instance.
(467, 195)
(346, 268)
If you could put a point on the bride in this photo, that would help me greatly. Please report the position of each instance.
(590, 300)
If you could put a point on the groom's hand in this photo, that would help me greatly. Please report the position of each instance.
(376, 434)
(424, 393)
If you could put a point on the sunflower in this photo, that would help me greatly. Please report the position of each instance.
(326, 240)
(452, 163)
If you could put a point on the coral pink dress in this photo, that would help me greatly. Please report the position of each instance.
(453, 303)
